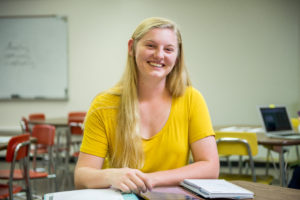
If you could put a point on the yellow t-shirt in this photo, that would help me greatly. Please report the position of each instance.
(188, 122)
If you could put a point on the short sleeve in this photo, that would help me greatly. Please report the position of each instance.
(200, 125)
(95, 141)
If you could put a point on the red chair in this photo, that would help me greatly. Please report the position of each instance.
(17, 151)
(45, 135)
(74, 138)
(26, 129)
(75, 121)
(37, 117)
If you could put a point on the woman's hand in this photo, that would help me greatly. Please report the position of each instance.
(89, 174)
(130, 180)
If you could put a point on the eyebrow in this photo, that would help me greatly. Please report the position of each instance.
(168, 45)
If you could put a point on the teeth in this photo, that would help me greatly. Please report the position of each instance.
(155, 64)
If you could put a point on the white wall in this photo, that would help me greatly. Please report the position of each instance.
(240, 54)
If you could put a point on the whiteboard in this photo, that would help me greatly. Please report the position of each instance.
(33, 57)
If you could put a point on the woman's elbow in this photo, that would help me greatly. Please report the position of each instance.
(214, 170)
(215, 174)
(77, 180)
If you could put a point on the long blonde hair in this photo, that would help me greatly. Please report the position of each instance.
(128, 149)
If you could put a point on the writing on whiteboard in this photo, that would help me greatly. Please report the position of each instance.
(18, 54)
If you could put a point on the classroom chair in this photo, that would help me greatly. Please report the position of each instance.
(295, 123)
(75, 121)
(37, 117)
(240, 144)
(74, 138)
(17, 152)
(45, 135)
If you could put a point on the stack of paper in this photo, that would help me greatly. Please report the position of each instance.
(216, 188)
(88, 194)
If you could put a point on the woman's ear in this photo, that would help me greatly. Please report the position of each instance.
(130, 47)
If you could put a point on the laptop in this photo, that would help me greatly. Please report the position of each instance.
(276, 122)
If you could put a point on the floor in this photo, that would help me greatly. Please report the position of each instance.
(65, 181)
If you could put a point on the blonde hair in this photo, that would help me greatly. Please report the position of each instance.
(128, 149)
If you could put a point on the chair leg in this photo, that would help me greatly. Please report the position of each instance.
(27, 180)
(229, 164)
(297, 152)
(10, 189)
(268, 162)
(240, 164)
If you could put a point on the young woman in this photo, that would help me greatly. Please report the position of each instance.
(138, 135)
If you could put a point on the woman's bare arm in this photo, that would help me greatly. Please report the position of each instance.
(206, 165)
(89, 174)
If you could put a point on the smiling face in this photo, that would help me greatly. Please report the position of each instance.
(156, 53)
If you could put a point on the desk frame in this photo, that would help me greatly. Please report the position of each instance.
(277, 144)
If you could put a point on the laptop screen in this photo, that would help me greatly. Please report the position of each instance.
(275, 119)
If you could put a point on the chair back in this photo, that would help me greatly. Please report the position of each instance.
(75, 121)
(240, 144)
(18, 148)
(80, 114)
(237, 143)
(37, 117)
(295, 123)
(44, 133)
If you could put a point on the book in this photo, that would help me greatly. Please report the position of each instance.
(216, 188)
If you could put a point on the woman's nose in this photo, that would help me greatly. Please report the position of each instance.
(159, 53)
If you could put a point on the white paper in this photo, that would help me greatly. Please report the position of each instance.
(86, 194)
(242, 129)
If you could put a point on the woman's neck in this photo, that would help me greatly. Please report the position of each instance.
(152, 90)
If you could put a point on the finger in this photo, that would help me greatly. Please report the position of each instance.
(145, 180)
(138, 182)
(124, 188)
(132, 186)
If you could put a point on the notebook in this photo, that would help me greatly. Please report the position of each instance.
(276, 122)
(216, 188)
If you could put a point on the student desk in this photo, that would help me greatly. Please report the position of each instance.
(277, 145)
(57, 122)
(261, 192)
(269, 192)
(274, 144)
(3, 144)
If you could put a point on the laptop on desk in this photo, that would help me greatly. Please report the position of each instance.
(276, 122)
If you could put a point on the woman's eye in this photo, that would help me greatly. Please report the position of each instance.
(169, 49)
(150, 45)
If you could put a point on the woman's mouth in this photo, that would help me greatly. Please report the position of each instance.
(156, 64)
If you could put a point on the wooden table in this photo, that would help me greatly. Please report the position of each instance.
(269, 192)
(261, 191)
